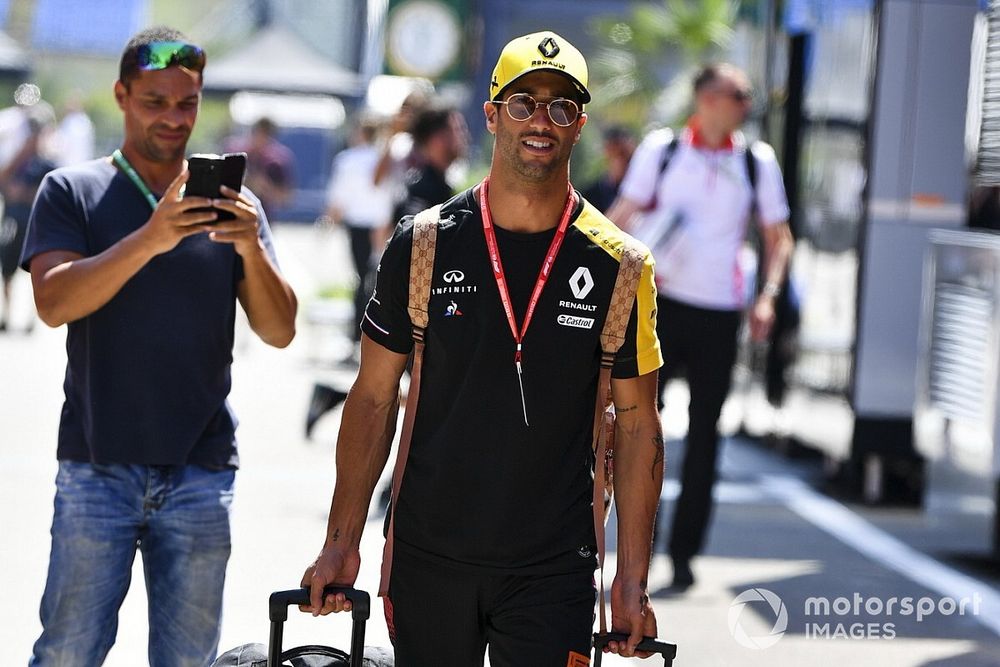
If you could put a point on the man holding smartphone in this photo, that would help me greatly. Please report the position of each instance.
(147, 282)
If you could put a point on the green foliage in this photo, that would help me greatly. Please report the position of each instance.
(625, 68)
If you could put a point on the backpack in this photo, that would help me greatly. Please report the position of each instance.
(671, 148)
(425, 227)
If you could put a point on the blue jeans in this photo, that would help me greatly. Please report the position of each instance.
(178, 517)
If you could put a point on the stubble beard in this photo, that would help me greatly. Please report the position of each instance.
(509, 146)
(156, 153)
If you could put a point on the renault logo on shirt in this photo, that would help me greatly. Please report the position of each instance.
(581, 282)
(453, 276)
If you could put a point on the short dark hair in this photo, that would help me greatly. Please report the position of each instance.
(617, 133)
(711, 73)
(266, 125)
(128, 66)
(429, 122)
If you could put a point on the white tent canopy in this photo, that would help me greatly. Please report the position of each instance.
(276, 60)
(12, 57)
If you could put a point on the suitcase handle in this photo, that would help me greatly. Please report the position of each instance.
(280, 601)
(650, 644)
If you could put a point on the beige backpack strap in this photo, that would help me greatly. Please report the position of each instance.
(612, 338)
(425, 226)
(629, 272)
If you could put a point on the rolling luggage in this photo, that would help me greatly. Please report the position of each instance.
(257, 655)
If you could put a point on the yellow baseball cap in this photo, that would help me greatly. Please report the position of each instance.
(539, 51)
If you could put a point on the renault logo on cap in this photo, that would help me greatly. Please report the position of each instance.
(548, 48)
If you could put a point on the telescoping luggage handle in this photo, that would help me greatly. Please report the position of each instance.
(278, 611)
(668, 651)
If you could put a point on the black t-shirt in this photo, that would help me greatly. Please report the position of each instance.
(425, 187)
(148, 373)
(602, 193)
(481, 488)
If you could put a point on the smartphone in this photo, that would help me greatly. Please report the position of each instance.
(209, 172)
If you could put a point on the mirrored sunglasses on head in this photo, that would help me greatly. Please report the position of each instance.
(161, 55)
(521, 106)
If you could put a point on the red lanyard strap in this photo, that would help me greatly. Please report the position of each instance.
(543, 274)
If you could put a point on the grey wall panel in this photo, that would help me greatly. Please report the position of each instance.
(941, 99)
(886, 364)
(917, 149)
(890, 157)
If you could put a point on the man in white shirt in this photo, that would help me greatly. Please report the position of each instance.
(690, 197)
(364, 208)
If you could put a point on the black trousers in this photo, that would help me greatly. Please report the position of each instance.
(441, 616)
(361, 254)
(700, 344)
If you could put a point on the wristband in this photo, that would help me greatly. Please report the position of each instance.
(771, 289)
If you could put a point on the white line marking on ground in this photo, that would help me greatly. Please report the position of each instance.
(843, 524)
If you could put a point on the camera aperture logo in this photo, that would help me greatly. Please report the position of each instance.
(741, 626)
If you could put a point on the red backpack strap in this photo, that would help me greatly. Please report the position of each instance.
(425, 226)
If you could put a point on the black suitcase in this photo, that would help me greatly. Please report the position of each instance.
(254, 655)
(668, 651)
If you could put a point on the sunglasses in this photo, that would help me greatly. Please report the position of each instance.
(740, 96)
(521, 107)
(161, 55)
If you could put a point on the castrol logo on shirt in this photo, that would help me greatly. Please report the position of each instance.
(576, 322)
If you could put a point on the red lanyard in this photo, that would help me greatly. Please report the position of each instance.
(543, 274)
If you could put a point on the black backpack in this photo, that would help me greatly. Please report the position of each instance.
(751, 164)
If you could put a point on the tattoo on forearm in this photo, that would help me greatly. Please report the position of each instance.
(336, 534)
(628, 409)
(657, 456)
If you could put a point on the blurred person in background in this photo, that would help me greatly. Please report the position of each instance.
(270, 164)
(147, 283)
(19, 181)
(440, 137)
(696, 195)
(14, 126)
(365, 210)
(397, 146)
(74, 136)
(618, 144)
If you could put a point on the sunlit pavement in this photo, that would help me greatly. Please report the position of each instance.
(778, 548)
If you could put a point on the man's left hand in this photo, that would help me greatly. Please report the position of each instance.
(631, 613)
(241, 232)
(762, 318)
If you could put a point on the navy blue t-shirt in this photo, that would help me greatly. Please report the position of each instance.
(148, 373)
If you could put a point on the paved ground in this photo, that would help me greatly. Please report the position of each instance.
(775, 539)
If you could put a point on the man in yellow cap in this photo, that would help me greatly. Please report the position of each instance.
(493, 528)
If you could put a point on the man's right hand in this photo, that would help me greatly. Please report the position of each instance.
(173, 219)
(335, 566)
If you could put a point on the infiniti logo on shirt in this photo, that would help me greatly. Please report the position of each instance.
(453, 276)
